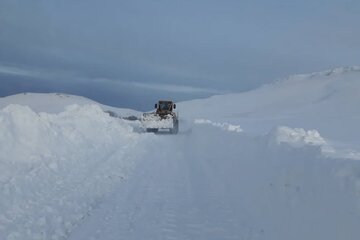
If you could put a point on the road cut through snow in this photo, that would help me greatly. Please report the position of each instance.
(278, 162)
(216, 184)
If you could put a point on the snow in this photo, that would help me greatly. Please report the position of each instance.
(224, 126)
(298, 137)
(327, 101)
(230, 186)
(55, 166)
(278, 162)
(57, 102)
(151, 120)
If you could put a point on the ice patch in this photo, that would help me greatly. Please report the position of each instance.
(224, 126)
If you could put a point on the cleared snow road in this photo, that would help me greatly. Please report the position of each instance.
(172, 195)
(213, 184)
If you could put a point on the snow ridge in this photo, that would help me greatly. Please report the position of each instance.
(333, 72)
(54, 167)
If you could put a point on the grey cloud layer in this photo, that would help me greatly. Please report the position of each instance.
(200, 44)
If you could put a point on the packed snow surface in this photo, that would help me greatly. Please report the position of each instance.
(279, 162)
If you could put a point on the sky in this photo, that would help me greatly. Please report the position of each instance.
(129, 53)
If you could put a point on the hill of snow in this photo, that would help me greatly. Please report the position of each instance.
(327, 101)
(57, 102)
(274, 163)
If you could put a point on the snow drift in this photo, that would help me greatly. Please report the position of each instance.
(54, 167)
(57, 102)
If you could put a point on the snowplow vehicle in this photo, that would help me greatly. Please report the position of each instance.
(163, 118)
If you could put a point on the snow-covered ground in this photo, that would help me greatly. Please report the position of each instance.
(57, 102)
(278, 162)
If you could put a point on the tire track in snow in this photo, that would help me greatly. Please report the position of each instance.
(161, 200)
(214, 184)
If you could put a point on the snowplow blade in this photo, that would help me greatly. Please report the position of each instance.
(152, 122)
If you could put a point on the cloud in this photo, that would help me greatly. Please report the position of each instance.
(188, 48)
(114, 92)
(176, 88)
(43, 74)
(17, 71)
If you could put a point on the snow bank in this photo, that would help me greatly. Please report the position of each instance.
(286, 191)
(52, 167)
(57, 102)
